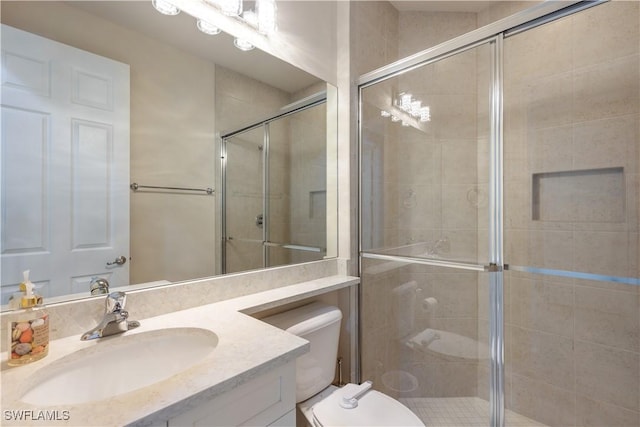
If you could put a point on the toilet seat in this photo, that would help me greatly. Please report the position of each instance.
(374, 409)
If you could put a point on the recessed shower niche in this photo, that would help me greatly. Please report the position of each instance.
(589, 195)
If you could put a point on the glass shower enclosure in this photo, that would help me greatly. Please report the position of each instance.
(499, 227)
(274, 189)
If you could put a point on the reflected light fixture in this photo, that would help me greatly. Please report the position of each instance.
(242, 44)
(407, 103)
(165, 7)
(207, 28)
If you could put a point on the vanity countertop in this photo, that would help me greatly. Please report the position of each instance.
(246, 349)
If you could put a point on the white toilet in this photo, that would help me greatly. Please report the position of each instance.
(321, 403)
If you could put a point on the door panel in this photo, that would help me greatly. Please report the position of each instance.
(65, 115)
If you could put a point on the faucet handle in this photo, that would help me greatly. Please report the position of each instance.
(114, 302)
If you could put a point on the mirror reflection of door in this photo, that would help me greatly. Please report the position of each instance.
(65, 114)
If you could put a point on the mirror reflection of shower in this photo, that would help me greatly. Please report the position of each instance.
(274, 189)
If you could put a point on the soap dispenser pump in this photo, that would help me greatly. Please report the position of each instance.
(29, 330)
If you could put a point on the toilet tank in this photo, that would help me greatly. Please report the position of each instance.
(319, 324)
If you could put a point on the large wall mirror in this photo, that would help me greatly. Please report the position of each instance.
(138, 149)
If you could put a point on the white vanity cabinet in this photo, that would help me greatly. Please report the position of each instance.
(268, 400)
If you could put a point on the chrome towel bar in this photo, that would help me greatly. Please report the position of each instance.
(135, 186)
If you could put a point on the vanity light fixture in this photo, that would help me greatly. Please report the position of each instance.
(263, 19)
(165, 7)
(242, 44)
(207, 28)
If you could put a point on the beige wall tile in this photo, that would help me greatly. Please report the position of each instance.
(607, 374)
(543, 402)
(592, 413)
(608, 317)
(550, 149)
(609, 89)
(541, 304)
(607, 32)
(602, 252)
(611, 142)
(549, 101)
(545, 357)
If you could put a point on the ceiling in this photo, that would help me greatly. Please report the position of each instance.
(180, 31)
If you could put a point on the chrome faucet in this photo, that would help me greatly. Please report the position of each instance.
(114, 320)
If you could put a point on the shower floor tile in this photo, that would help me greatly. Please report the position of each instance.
(460, 412)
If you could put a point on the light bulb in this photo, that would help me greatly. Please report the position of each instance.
(251, 18)
(165, 7)
(242, 44)
(395, 119)
(266, 11)
(207, 28)
(231, 7)
(415, 108)
(405, 101)
(425, 114)
(385, 113)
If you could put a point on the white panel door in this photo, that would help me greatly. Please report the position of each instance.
(65, 165)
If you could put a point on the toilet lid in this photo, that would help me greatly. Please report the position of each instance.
(374, 409)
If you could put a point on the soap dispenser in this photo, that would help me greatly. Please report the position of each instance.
(29, 331)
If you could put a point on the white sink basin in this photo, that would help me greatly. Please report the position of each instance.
(118, 365)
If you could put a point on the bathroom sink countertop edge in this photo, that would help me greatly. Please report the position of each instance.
(239, 356)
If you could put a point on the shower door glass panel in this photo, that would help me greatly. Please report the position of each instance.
(425, 176)
(244, 201)
(424, 194)
(426, 340)
(571, 161)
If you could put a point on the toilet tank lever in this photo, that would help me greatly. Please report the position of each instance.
(351, 396)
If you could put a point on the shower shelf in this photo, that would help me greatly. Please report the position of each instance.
(588, 195)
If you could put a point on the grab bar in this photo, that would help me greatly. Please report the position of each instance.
(135, 186)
